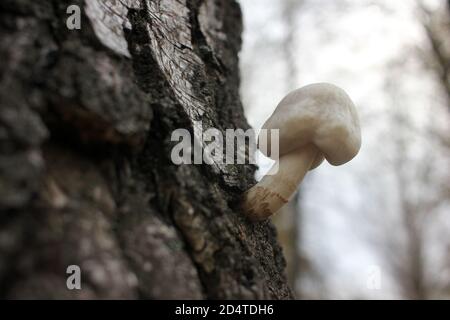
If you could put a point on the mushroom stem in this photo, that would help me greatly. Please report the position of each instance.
(275, 188)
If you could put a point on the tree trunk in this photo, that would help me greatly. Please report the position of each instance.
(86, 176)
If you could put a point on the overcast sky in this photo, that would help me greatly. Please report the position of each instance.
(361, 46)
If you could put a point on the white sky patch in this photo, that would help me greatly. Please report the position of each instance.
(360, 46)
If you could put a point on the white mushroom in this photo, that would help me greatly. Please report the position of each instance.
(317, 121)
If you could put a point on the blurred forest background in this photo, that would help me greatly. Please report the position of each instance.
(379, 226)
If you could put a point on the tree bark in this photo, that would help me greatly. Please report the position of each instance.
(85, 172)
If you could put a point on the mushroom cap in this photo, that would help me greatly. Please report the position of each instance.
(321, 114)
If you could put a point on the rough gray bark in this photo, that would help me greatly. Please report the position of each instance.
(85, 171)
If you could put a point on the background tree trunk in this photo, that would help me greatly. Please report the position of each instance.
(85, 172)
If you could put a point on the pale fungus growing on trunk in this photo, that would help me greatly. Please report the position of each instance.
(315, 122)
